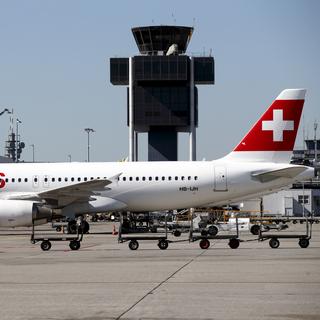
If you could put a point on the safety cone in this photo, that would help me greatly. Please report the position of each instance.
(114, 231)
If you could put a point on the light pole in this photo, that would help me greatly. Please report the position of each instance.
(88, 131)
(69, 157)
(32, 145)
(4, 111)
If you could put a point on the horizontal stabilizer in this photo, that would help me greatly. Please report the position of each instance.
(289, 172)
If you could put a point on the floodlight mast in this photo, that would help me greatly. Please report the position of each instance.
(88, 131)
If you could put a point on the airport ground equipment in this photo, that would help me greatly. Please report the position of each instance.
(304, 239)
(130, 232)
(46, 239)
(204, 240)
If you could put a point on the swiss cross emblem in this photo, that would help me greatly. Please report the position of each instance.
(278, 125)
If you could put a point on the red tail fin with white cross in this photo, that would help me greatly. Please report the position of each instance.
(273, 136)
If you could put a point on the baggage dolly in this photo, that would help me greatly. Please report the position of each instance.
(204, 243)
(133, 240)
(304, 239)
(46, 239)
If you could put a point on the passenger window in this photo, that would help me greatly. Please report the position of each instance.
(124, 178)
(189, 178)
(163, 178)
(35, 180)
(144, 178)
(59, 179)
(169, 178)
(12, 180)
(25, 179)
(137, 178)
(66, 179)
(53, 179)
(85, 178)
(92, 178)
(7, 180)
(156, 178)
(72, 179)
(195, 178)
(182, 178)
(176, 178)
(150, 178)
(45, 179)
(130, 178)
(79, 179)
(19, 180)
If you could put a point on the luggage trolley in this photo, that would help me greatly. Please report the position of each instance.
(204, 243)
(304, 239)
(46, 239)
(141, 235)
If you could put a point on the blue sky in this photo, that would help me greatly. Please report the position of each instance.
(54, 69)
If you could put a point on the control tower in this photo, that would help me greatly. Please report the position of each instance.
(162, 94)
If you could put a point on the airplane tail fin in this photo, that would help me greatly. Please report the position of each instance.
(272, 137)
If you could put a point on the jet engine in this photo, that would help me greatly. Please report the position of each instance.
(21, 213)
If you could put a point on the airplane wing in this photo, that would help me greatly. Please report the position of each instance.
(267, 176)
(78, 192)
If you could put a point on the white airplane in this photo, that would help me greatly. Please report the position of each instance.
(259, 164)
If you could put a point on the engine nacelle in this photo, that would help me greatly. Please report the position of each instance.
(21, 213)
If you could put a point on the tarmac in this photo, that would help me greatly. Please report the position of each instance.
(106, 280)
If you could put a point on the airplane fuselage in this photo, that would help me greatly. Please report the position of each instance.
(147, 186)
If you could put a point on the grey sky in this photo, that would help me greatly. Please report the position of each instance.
(54, 69)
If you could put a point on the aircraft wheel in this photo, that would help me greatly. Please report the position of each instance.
(72, 227)
(255, 229)
(45, 245)
(133, 244)
(213, 230)
(177, 233)
(204, 244)
(74, 245)
(274, 243)
(304, 243)
(317, 221)
(163, 244)
(234, 243)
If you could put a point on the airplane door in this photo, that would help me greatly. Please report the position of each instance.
(220, 179)
(35, 182)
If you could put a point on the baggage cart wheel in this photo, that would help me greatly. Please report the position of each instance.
(294, 221)
(274, 243)
(58, 228)
(255, 229)
(234, 243)
(45, 245)
(204, 244)
(177, 233)
(304, 243)
(74, 245)
(163, 244)
(133, 244)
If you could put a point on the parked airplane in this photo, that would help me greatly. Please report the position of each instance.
(259, 164)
